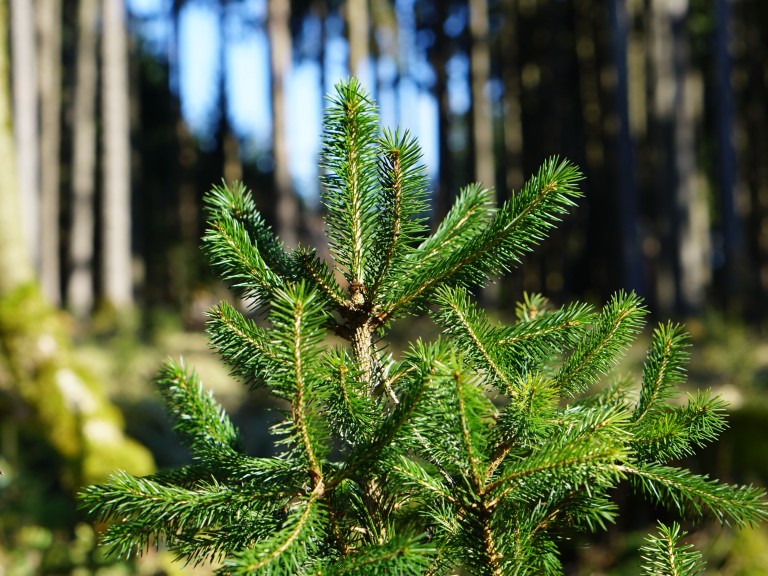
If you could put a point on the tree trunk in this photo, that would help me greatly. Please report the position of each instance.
(232, 166)
(632, 277)
(279, 32)
(513, 124)
(80, 283)
(49, 23)
(482, 113)
(748, 33)
(676, 104)
(439, 60)
(116, 267)
(26, 120)
(358, 27)
(729, 275)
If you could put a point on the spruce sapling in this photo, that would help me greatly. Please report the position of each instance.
(477, 452)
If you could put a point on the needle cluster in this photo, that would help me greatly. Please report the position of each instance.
(476, 453)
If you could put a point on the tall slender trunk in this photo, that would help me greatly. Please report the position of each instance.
(23, 53)
(675, 108)
(358, 27)
(232, 166)
(279, 32)
(116, 267)
(513, 124)
(49, 23)
(726, 158)
(439, 59)
(632, 277)
(15, 268)
(482, 113)
(187, 208)
(80, 282)
(752, 125)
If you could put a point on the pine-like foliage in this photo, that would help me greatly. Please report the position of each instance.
(477, 452)
(664, 555)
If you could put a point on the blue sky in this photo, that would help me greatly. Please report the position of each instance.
(248, 85)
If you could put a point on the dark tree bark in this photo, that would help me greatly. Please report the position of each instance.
(729, 274)
(513, 123)
(439, 56)
(632, 273)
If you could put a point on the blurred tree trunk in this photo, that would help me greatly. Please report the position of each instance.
(358, 30)
(188, 208)
(729, 275)
(676, 104)
(117, 277)
(750, 53)
(279, 32)
(23, 51)
(632, 276)
(439, 60)
(482, 113)
(513, 123)
(597, 263)
(80, 282)
(59, 400)
(232, 166)
(49, 23)
(15, 268)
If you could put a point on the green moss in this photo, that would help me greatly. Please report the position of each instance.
(69, 409)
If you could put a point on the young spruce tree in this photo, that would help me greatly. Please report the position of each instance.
(476, 453)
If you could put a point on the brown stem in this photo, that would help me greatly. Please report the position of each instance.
(362, 348)
(490, 545)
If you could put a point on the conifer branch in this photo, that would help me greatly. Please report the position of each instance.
(691, 493)
(666, 555)
(304, 337)
(287, 545)
(234, 203)
(664, 367)
(518, 225)
(465, 432)
(459, 318)
(403, 184)
(578, 460)
(322, 278)
(199, 418)
(238, 260)
(616, 326)
(349, 159)
(415, 476)
(533, 340)
(391, 180)
(241, 343)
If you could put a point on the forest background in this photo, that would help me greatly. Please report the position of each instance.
(662, 103)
